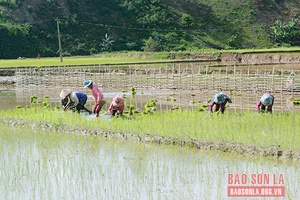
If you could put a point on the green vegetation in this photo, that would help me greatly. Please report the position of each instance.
(133, 57)
(75, 61)
(122, 25)
(286, 32)
(248, 128)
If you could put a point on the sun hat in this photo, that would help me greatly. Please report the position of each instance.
(219, 98)
(266, 99)
(64, 93)
(86, 83)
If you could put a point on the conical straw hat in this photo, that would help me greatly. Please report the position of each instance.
(64, 93)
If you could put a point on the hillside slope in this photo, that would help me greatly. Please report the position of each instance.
(93, 26)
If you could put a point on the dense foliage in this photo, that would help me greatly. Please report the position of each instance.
(28, 28)
(286, 32)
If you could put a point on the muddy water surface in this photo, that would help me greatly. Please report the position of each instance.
(11, 96)
(187, 85)
(48, 165)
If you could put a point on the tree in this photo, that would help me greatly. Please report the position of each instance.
(286, 32)
(151, 45)
(186, 21)
(107, 43)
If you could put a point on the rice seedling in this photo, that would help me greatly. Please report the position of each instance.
(130, 110)
(133, 92)
(296, 101)
(248, 128)
(150, 107)
(175, 107)
(33, 99)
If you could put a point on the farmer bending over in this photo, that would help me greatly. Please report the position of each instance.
(265, 102)
(116, 106)
(219, 102)
(97, 95)
(73, 99)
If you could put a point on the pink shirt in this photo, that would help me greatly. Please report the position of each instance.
(97, 94)
(119, 105)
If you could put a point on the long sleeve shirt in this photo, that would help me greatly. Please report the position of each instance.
(269, 107)
(116, 105)
(97, 94)
(222, 105)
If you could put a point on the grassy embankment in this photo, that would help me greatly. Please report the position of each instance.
(131, 57)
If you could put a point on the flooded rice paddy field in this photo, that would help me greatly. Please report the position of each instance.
(50, 165)
(186, 85)
(166, 99)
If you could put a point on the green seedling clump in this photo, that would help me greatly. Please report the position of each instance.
(247, 128)
(296, 101)
(33, 99)
(175, 108)
(202, 107)
(150, 107)
(132, 90)
(130, 110)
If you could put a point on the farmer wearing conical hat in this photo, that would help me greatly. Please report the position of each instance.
(219, 102)
(265, 102)
(74, 99)
(97, 95)
(116, 106)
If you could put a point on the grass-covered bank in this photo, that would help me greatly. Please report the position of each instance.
(251, 133)
(141, 57)
(118, 58)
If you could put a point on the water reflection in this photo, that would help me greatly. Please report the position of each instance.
(192, 84)
(45, 165)
(166, 99)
